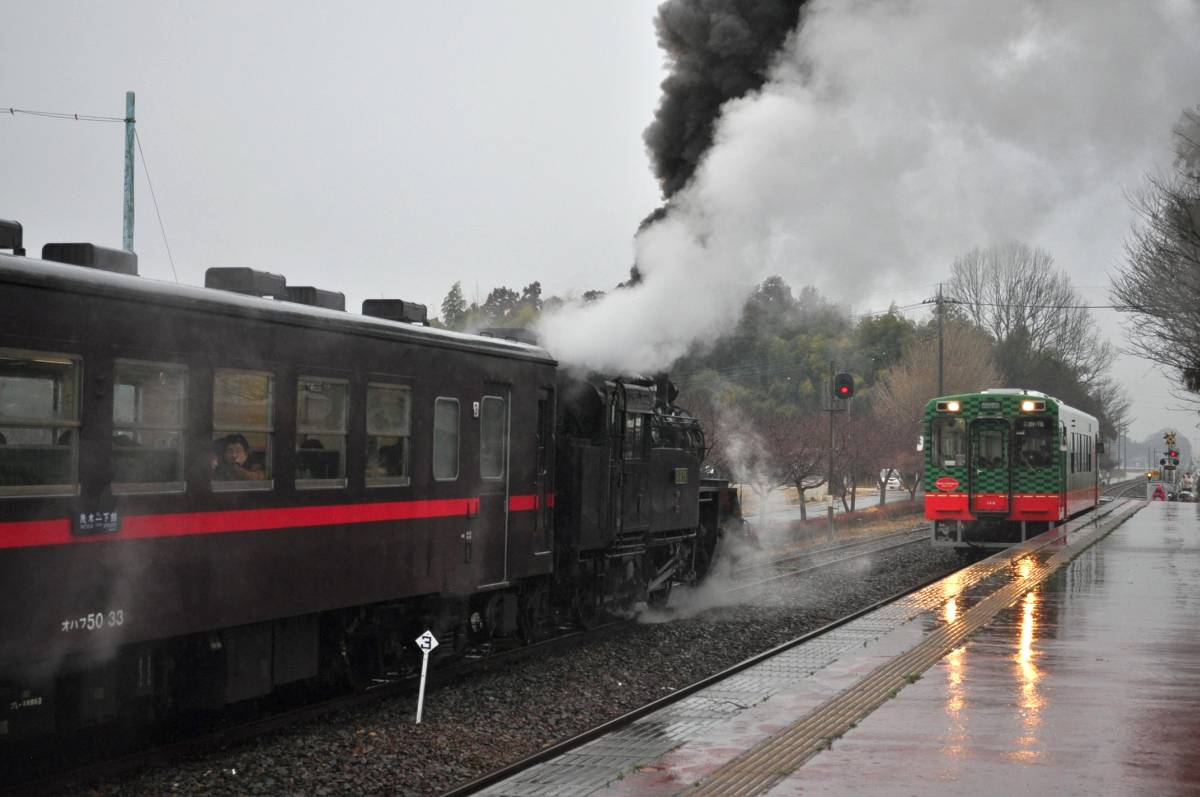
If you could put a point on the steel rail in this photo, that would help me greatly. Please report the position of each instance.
(616, 723)
(210, 739)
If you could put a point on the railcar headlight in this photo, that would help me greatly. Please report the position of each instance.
(953, 406)
(1027, 406)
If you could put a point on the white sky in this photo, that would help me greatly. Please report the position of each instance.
(382, 148)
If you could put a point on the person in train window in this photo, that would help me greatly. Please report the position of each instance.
(232, 466)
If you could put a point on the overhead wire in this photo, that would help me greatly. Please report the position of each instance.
(146, 168)
(80, 117)
(970, 302)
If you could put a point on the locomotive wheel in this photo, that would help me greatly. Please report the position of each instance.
(485, 619)
(362, 657)
(585, 605)
(659, 597)
(534, 618)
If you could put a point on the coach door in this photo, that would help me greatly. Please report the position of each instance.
(543, 530)
(989, 471)
(494, 421)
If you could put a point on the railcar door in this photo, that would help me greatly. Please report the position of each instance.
(988, 474)
(494, 422)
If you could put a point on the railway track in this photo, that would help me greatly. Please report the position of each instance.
(796, 563)
(50, 777)
(581, 739)
(1129, 488)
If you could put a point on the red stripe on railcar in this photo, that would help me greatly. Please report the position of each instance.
(947, 506)
(1037, 506)
(991, 502)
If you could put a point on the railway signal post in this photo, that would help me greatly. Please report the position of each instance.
(841, 386)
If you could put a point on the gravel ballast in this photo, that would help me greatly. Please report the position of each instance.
(472, 728)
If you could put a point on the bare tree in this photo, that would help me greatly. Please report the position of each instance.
(901, 396)
(1160, 283)
(1016, 294)
(801, 451)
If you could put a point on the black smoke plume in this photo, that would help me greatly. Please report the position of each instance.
(717, 50)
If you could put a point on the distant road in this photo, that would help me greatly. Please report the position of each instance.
(780, 512)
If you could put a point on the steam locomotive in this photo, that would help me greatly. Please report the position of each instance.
(209, 493)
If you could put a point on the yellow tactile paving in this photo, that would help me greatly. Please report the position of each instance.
(766, 764)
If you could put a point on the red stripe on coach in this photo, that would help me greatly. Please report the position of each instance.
(27, 534)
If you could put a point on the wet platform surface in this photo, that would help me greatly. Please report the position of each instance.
(1083, 677)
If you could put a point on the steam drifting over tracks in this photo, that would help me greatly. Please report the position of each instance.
(480, 724)
(794, 564)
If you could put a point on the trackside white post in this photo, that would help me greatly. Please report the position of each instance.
(426, 642)
(421, 691)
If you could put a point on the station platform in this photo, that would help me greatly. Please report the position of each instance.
(1067, 665)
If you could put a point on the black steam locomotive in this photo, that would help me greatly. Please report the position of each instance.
(207, 493)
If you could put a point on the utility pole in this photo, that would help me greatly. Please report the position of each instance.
(941, 345)
(127, 229)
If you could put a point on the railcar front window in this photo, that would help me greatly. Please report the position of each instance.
(989, 451)
(445, 439)
(949, 442)
(1033, 441)
(39, 422)
(389, 409)
(149, 413)
(243, 430)
(491, 438)
(321, 432)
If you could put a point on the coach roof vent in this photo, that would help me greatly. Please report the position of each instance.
(118, 261)
(396, 310)
(10, 237)
(315, 297)
(515, 334)
(245, 280)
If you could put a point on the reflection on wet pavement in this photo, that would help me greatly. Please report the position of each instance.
(1088, 684)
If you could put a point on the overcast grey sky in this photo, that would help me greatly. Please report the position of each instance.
(382, 149)
(392, 148)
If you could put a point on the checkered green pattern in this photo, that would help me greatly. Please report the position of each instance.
(1024, 480)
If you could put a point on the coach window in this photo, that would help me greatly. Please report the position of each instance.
(389, 409)
(321, 432)
(243, 430)
(39, 423)
(491, 438)
(949, 442)
(149, 413)
(445, 439)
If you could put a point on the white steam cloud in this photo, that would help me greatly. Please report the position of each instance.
(892, 137)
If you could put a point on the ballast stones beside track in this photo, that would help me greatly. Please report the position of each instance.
(474, 727)
(751, 733)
